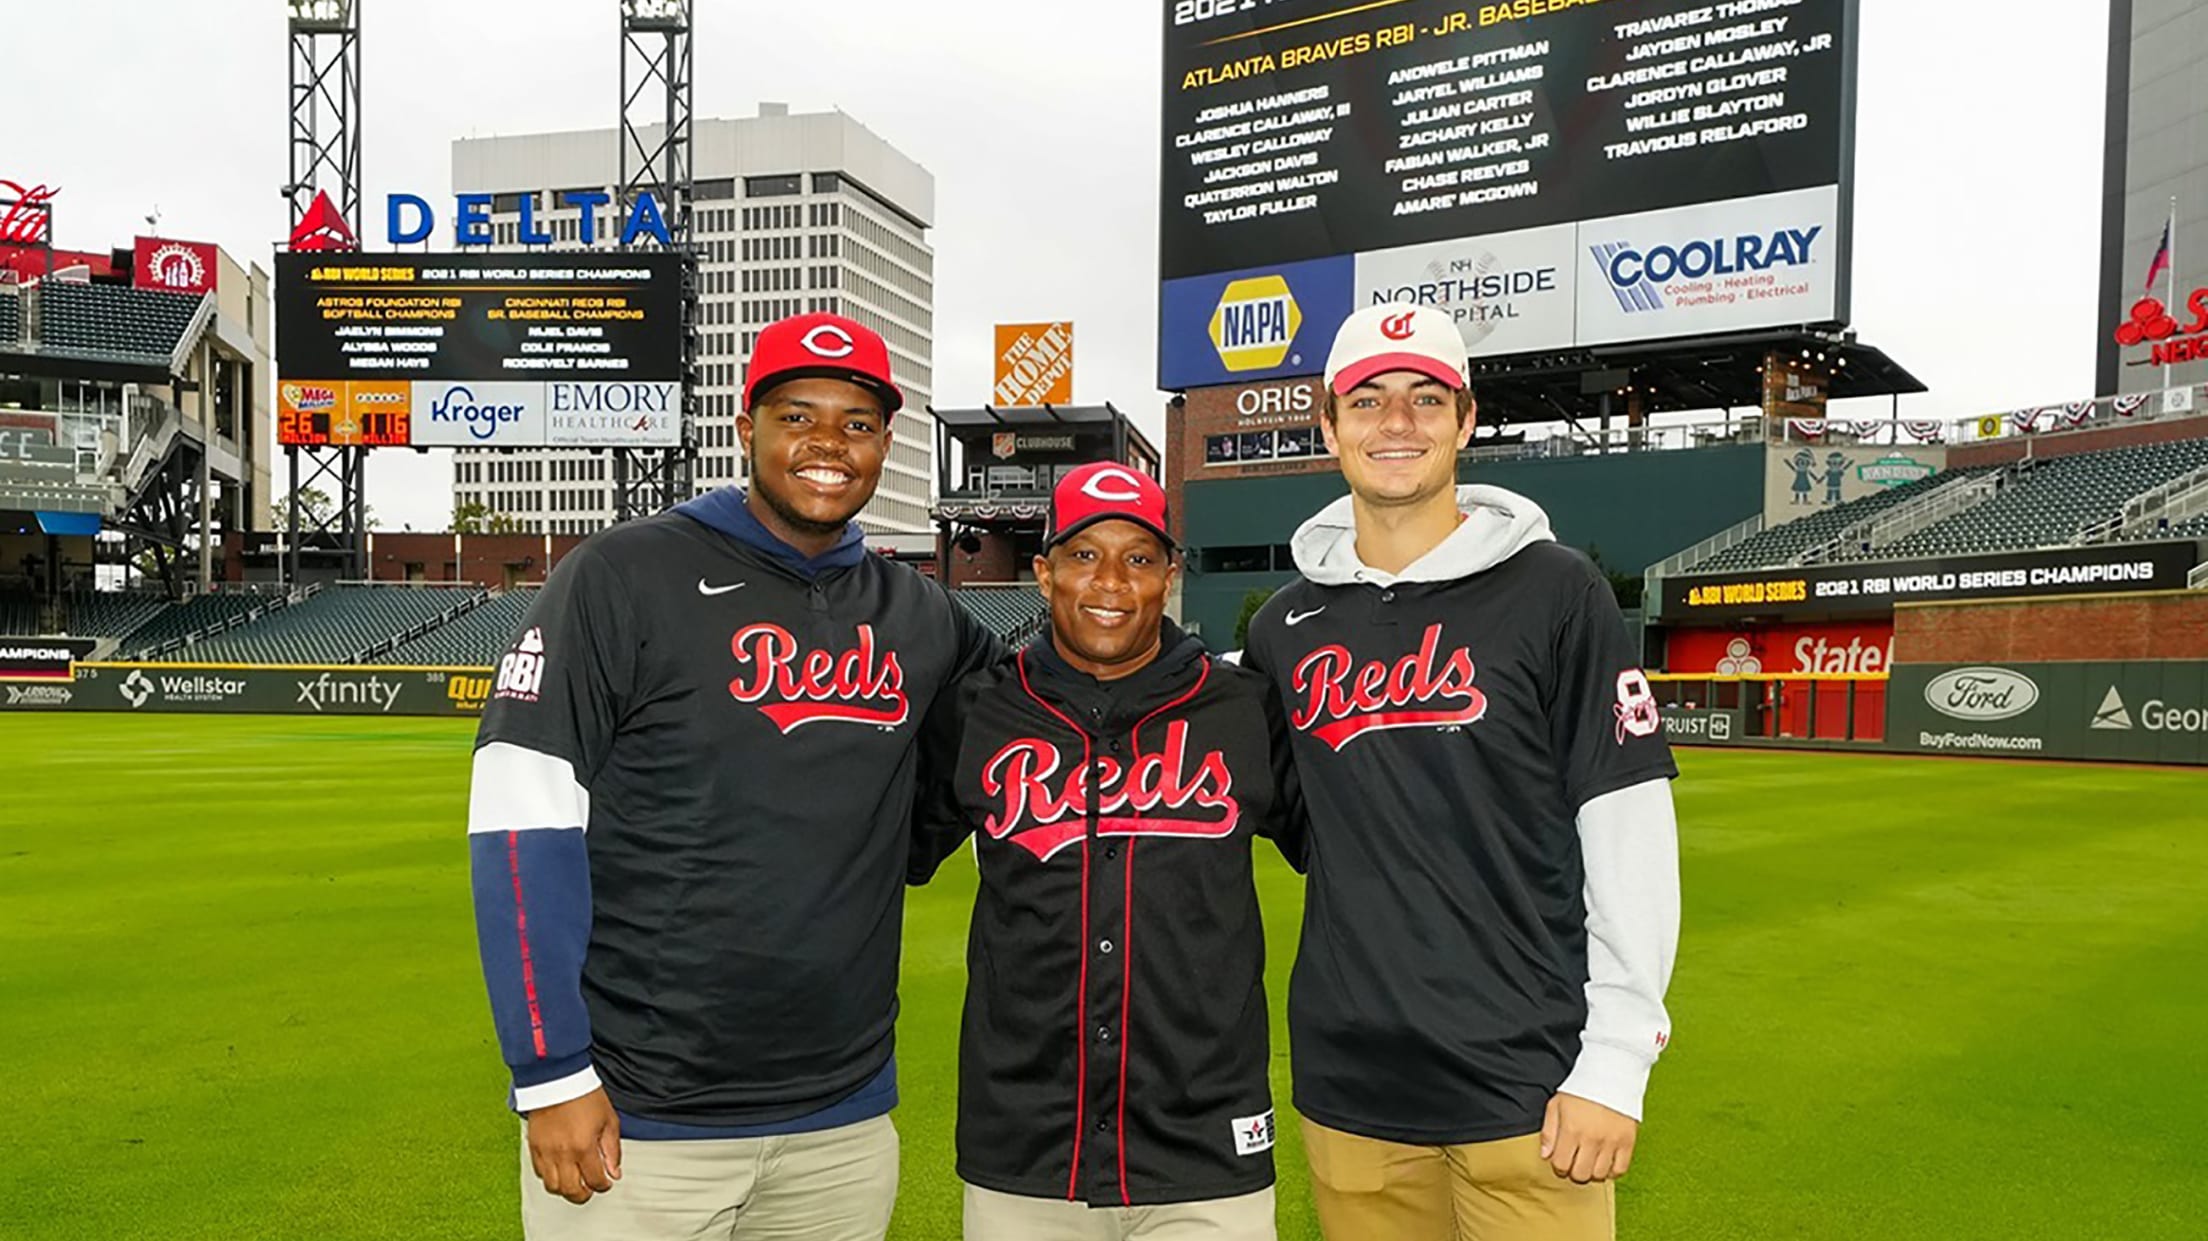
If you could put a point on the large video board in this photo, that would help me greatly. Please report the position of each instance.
(510, 350)
(1553, 172)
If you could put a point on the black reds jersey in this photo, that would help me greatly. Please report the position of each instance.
(1447, 734)
(1114, 1045)
(744, 738)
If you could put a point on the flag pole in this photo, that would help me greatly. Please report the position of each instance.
(2170, 300)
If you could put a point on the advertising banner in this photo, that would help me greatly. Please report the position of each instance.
(42, 659)
(1799, 479)
(501, 414)
(1295, 129)
(1865, 647)
(439, 320)
(613, 415)
(1245, 326)
(1509, 293)
(1711, 267)
(173, 266)
(1872, 588)
(2130, 711)
(260, 690)
(1034, 364)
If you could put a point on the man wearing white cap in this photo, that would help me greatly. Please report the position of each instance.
(1493, 902)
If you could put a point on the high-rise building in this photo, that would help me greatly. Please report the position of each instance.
(792, 214)
(2157, 155)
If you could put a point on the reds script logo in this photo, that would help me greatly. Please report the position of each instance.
(860, 686)
(1043, 819)
(1342, 699)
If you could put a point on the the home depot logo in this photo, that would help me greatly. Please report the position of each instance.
(1255, 323)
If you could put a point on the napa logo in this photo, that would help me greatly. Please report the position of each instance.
(1255, 323)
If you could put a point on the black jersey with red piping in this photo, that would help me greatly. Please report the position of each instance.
(1115, 1042)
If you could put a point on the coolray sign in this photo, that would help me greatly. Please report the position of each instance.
(1872, 588)
(1509, 293)
(625, 414)
(1711, 267)
(1252, 325)
(478, 415)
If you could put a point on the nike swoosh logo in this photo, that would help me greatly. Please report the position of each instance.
(1297, 618)
(704, 589)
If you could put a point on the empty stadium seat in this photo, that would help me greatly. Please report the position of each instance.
(2057, 501)
(106, 320)
(1008, 611)
(473, 639)
(1781, 544)
(190, 616)
(332, 627)
(109, 613)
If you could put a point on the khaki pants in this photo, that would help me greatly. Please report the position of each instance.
(1370, 1190)
(991, 1216)
(835, 1185)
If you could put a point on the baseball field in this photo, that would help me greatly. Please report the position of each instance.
(1916, 997)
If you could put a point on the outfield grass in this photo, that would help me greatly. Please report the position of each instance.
(1916, 997)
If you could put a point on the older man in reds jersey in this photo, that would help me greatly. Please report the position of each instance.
(1493, 905)
(694, 973)
(1113, 1068)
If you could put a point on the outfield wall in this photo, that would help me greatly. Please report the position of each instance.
(257, 689)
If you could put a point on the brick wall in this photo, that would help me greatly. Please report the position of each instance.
(486, 558)
(2162, 625)
(2003, 451)
(995, 561)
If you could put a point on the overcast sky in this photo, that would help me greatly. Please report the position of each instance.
(1978, 158)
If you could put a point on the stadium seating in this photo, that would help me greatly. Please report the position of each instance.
(473, 639)
(1010, 611)
(109, 613)
(2195, 527)
(1782, 544)
(188, 617)
(111, 321)
(18, 614)
(2056, 501)
(11, 317)
(332, 627)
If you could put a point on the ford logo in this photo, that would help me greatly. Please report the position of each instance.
(1981, 693)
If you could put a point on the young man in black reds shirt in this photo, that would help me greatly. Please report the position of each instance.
(1112, 1075)
(1494, 895)
(693, 972)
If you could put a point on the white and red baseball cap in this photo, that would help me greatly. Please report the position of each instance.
(821, 346)
(1106, 491)
(1394, 337)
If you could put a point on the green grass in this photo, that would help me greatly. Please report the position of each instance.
(1916, 997)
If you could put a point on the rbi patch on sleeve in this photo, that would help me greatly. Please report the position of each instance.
(1253, 1133)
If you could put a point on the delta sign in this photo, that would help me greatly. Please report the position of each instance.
(408, 220)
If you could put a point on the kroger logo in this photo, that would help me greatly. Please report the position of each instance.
(1255, 322)
(482, 418)
(1635, 274)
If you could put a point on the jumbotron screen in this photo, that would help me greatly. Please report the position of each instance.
(1553, 172)
(481, 350)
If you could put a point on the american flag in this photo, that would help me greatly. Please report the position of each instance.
(2161, 261)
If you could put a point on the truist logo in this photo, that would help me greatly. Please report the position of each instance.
(1426, 689)
(864, 685)
(1044, 811)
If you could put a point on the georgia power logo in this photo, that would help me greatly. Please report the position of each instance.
(1255, 323)
(840, 343)
(1981, 693)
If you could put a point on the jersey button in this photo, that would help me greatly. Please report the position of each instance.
(1105, 947)
(1103, 1034)
(1387, 596)
(1111, 852)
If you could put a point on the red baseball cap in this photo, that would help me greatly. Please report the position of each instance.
(821, 346)
(1106, 491)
